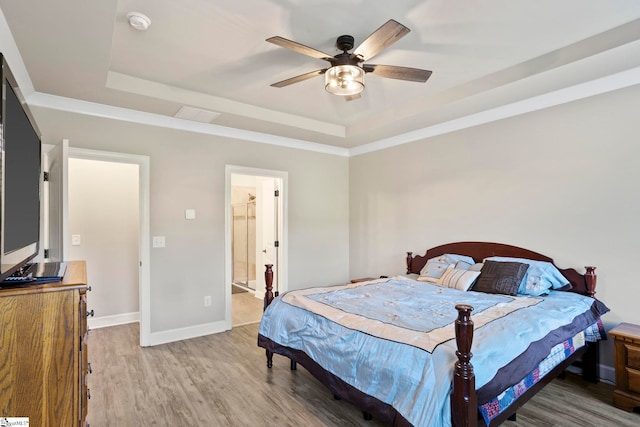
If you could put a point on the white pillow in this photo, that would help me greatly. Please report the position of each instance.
(458, 279)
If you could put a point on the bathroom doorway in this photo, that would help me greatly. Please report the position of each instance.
(256, 231)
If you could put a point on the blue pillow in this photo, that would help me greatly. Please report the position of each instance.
(539, 278)
(435, 267)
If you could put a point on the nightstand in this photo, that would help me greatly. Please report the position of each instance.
(627, 351)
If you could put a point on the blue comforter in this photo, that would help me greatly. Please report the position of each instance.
(394, 339)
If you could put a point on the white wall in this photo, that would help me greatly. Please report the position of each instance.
(188, 171)
(564, 182)
(103, 211)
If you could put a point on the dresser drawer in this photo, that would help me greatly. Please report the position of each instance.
(633, 356)
(634, 380)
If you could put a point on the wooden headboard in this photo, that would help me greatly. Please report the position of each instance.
(580, 283)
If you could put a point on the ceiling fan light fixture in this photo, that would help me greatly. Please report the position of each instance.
(344, 80)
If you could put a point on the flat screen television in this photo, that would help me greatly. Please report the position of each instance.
(20, 171)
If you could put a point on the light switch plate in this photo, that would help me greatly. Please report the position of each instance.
(158, 241)
(190, 213)
(75, 240)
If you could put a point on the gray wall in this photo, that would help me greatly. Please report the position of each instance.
(188, 171)
(563, 181)
(103, 211)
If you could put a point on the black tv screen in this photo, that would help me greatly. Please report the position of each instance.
(20, 174)
(22, 177)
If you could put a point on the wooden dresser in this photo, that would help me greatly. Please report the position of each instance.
(627, 352)
(43, 351)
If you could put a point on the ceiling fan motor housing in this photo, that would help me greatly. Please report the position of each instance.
(345, 43)
(344, 59)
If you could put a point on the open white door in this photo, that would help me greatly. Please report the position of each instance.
(267, 234)
(57, 162)
(270, 232)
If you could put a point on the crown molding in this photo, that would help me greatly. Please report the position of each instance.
(72, 105)
(594, 87)
(591, 88)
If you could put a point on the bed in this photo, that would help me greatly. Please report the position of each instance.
(408, 350)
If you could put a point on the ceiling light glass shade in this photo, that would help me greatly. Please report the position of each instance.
(344, 80)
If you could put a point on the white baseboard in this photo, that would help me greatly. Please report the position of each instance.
(163, 337)
(179, 334)
(114, 320)
(606, 373)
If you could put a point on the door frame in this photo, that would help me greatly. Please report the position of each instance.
(144, 272)
(284, 244)
(58, 244)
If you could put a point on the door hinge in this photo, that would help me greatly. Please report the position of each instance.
(45, 176)
(46, 253)
(276, 193)
(276, 244)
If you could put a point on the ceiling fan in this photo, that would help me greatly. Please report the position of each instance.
(345, 76)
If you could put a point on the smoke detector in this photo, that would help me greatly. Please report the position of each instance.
(138, 20)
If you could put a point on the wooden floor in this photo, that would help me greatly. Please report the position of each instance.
(222, 380)
(245, 309)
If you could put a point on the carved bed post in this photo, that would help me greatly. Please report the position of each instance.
(268, 282)
(591, 358)
(409, 259)
(590, 280)
(464, 404)
(268, 297)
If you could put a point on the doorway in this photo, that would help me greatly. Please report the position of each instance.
(140, 257)
(62, 240)
(255, 236)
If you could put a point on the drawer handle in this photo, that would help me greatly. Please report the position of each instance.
(90, 313)
(89, 368)
(88, 393)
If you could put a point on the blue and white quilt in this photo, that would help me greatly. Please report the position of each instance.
(394, 339)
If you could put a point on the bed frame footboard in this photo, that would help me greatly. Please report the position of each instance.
(464, 404)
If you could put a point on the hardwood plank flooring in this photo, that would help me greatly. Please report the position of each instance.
(222, 380)
(245, 309)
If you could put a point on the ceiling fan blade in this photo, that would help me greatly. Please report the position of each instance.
(300, 78)
(352, 97)
(386, 35)
(300, 48)
(400, 73)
